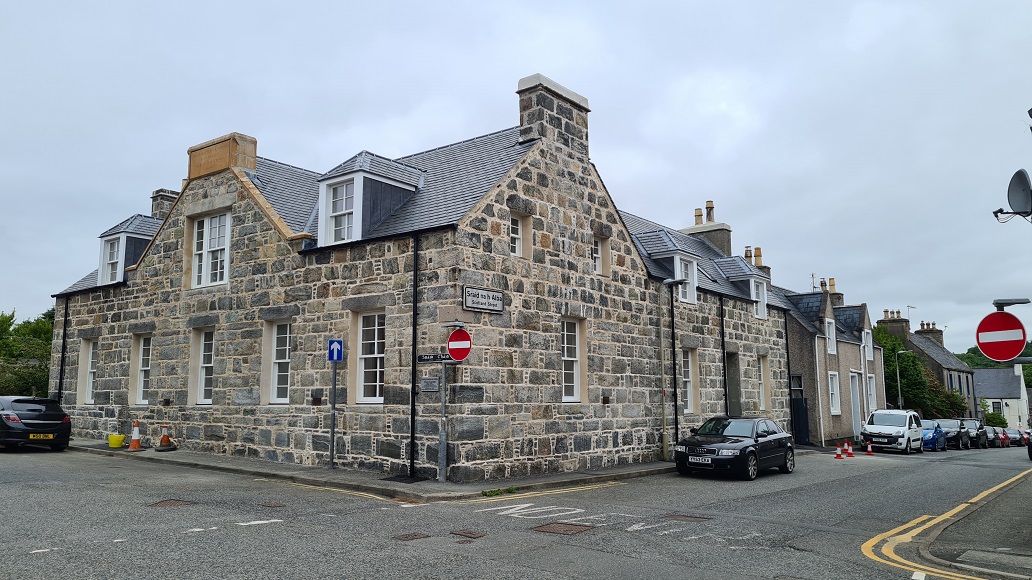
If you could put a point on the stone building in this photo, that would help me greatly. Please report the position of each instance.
(597, 336)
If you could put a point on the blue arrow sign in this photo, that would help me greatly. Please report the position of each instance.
(335, 353)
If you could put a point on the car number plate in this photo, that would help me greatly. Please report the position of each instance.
(694, 459)
(41, 435)
(681, 448)
(880, 440)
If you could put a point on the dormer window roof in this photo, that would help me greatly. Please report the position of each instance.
(738, 270)
(122, 245)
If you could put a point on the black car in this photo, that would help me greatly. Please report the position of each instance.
(35, 421)
(976, 432)
(738, 444)
(956, 436)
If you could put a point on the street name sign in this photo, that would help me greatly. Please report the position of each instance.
(1000, 336)
(433, 358)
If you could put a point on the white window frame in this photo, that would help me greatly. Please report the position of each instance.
(761, 381)
(89, 361)
(210, 254)
(112, 269)
(278, 339)
(688, 402)
(601, 256)
(570, 350)
(372, 343)
(516, 236)
(872, 394)
(342, 219)
(686, 269)
(834, 393)
(205, 366)
(140, 368)
(829, 334)
(869, 344)
(759, 295)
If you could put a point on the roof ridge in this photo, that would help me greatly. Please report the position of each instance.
(493, 133)
(280, 163)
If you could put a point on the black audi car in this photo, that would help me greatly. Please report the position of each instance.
(744, 445)
(34, 421)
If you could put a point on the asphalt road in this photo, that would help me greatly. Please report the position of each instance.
(79, 515)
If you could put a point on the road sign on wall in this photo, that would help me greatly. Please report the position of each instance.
(459, 344)
(1000, 336)
(335, 351)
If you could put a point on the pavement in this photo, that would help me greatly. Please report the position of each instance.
(990, 538)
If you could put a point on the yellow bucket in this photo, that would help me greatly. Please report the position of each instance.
(115, 441)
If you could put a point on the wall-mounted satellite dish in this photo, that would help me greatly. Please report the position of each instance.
(1019, 194)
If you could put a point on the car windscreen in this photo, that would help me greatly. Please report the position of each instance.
(926, 424)
(949, 423)
(727, 427)
(888, 419)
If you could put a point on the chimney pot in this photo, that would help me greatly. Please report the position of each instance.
(885, 315)
(831, 285)
(698, 216)
(824, 285)
(748, 254)
(758, 256)
(710, 213)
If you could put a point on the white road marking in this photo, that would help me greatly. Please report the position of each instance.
(919, 576)
(39, 551)
(258, 522)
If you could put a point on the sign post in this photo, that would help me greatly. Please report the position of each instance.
(1000, 336)
(459, 345)
(334, 354)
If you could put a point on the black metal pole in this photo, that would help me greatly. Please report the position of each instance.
(64, 352)
(415, 375)
(673, 365)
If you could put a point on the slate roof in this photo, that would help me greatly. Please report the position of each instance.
(139, 225)
(291, 191)
(998, 383)
(938, 353)
(86, 282)
(372, 163)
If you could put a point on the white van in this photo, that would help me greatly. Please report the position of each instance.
(893, 429)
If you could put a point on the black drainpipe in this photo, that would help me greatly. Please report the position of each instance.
(673, 365)
(415, 376)
(64, 351)
(723, 356)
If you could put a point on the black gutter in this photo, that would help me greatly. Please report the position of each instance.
(673, 366)
(64, 352)
(415, 376)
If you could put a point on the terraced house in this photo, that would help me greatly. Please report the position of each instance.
(598, 336)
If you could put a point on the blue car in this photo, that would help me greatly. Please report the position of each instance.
(933, 438)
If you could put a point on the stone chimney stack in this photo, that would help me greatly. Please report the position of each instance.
(553, 113)
(824, 285)
(930, 332)
(718, 234)
(837, 298)
(698, 216)
(758, 260)
(748, 254)
(162, 201)
(233, 150)
(895, 325)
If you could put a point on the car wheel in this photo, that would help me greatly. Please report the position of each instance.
(789, 465)
(683, 469)
(906, 448)
(920, 448)
(752, 467)
(58, 447)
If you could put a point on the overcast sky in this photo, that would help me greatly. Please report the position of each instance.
(865, 141)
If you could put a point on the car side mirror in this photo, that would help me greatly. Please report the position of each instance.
(693, 430)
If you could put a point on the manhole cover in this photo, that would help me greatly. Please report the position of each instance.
(564, 529)
(683, 518)
(410, 537)
(468, 534)
(171, 503)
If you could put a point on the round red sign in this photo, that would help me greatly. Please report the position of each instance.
(459, 344)
(1000, 336)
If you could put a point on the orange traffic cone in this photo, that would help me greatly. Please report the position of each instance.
(134, 445)
(166, 443)
(838, 452)
(869, 450)
(849, 449)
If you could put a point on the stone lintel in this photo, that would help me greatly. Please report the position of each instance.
(279, 312)
(202, 321)
(142, 327)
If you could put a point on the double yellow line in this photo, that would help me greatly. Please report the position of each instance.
(907, 532)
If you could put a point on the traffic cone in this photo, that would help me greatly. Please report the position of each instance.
(166, 443)
(869, 450)
(134, 445)
(849, 449)
(838, 452)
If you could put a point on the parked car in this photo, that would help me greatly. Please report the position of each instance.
(893, 429)
(1004, 437)
(992, 437)
(1015, 437)
(738, 444)
(976, 432)
(32, 420)
(933, 437)
(955, 435)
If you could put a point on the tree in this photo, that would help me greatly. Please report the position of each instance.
(919, 386)
(25, 354)
(990, 418)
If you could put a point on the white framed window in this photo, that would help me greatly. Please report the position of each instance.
(112, 259)
(759, 296)
(687, 270)
(762, 384)
(872, 394)
(205, 367)
(688, 398)
(516, 236)
(372, 343)
(834, 393)
(601, 256)
(140, 368)
(342, 212)
(280, 363)
(869, 344)
(210, 250)
(829, 334)
(89, 360)
(570, 346)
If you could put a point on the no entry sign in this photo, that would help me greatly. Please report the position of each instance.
(459, 344)
(1000, 336)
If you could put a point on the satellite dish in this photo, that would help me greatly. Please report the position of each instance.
(1019, 194)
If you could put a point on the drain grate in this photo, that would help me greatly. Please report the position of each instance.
(171, 503)
(684, 518)
(468, 534)
(410, 537)
(564, 529)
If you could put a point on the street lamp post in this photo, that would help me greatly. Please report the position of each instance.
(899, 389)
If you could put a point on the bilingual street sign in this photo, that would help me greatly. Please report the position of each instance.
(459, 344)
(335, 351)
(433, 358)
(1000, 336)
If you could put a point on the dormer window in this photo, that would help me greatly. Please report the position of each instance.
(759, 296)
(342, 212)
(687, 270)
(111, 261)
